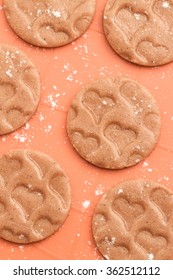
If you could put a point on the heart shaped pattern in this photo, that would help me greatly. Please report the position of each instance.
(164, 9)
(122, 252)
(6, 92)
(130, 21)
(150, 242)
(81, 24)
(151, 121)
(98, 106)
(48, 33)
(31, 8)
(43, 226)
(120, 136)
(129, 211)
(152, 52)
(27, 198)
(88, 144)
(19, 89)
(35, 197)
(164, 201)
(15, 235)
(49, 23)
(14, 166)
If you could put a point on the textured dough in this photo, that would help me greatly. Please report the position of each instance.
(134, 221)
(49, 23)
(19, 89)
(35, 196)
(113, 123)
(140, 31)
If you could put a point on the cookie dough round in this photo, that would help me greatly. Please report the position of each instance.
(19, 89)
(114, 123)
(35, 196)
(134, 221)
(49, 23)
(140, 31)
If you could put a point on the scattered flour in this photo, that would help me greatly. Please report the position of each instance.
(86, 204)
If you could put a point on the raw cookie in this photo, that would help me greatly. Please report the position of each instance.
(140, 31)
(49, 23)
(113, 123)
(134, 221)
(19, 89)
(34, 198)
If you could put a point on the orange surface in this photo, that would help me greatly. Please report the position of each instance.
(63, 71)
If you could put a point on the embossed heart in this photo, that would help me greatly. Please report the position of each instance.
(164, 201)
(130, 21)
(81, 24)
(120, 136)
(85, 144)
(15, 235)
(150, 242)
(6, 93)
(152, 52)
(27, 199)
(164, 10)
(30, 9)
(14, 165)
(129, 211)
(98, 106)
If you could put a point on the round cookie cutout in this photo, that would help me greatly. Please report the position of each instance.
(35, 196)
(19, 89)
(113, 123)
(134, 221)
(140, 31)
(49, 23)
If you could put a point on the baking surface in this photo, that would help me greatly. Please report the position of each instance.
(63, 72)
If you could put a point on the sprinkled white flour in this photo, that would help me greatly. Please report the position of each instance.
(86, 204)
(52, 101)
(56, 14)
(22, 138)
(99, 190)
(27, 126)
(8, 73)
(82, 49)
(166, 178)
(21, 248)
(165, 5)
(3, 139)
(145, 164)
(150, 256)
(120, 191)
(72, 72)
(87, 183)
(53, 98)
(150, 169)
(48, 128)
(41, 117)
(137, 16)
